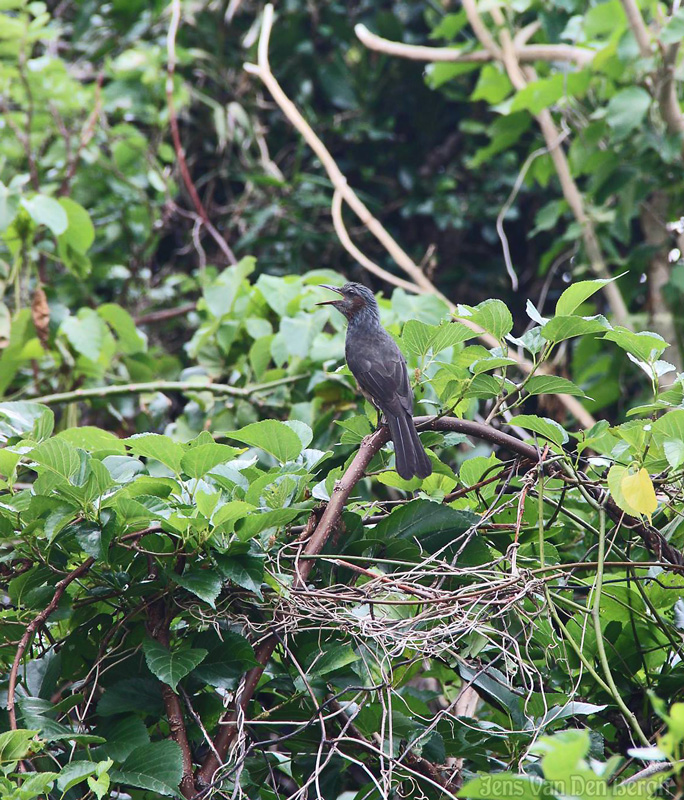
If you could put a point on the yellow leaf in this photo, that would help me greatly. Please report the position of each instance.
(639, 492)
(615, 477)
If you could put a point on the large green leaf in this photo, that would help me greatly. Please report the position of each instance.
(548, 428)
(47, 211)
(200, 460)
(205, 584)
(432, 524)
(271, 435)
(577, 293)
(627, 109)
(157, 767)
(644, 345)
(15, 745)
(59, 457)
(492, 316)
(561, 328)
(23, 418)
(168, 665)
(552, 384)
(161, 448)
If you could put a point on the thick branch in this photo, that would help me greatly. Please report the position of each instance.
(531, 52)
(638, 26)
(162, 386)
(158, 628)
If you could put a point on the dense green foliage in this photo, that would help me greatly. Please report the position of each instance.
(190, 487)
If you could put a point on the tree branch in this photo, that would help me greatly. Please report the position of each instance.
(36, 623)
(340, 184)
(532, 52)
(318, 531)
(550, 133)
(162, 386)
(158, 625)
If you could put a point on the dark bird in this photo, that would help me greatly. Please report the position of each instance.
(380, 371)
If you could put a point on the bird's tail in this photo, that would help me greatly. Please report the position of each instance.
(410, 454)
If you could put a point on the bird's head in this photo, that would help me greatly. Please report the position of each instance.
(355, 299)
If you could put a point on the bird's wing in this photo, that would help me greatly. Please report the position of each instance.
(380, 369)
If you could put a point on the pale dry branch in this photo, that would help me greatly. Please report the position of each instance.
(533, 52)
(353, 250)
(346, 193)
(573, 196)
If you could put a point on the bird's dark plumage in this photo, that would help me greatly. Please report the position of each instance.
(380, 370)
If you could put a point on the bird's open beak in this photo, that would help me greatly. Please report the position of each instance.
(332, 289)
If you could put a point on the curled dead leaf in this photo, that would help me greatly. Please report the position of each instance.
(40, 311)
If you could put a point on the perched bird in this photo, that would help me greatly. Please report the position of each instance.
(380, 371)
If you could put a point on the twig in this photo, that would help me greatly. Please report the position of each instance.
(32, 627)
(354, 251)
(168, 313)
(163, 386)
(638, 26)
(321, 531)
(175, 135)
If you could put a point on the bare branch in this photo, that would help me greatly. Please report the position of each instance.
(532, 52)
(638, 26)
(339, 182)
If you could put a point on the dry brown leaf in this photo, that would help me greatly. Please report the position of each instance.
(40, 311)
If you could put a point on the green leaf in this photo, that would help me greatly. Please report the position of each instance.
(544, 92)
(547, 428)
(271, 435)
(229, 513)
(157, 767)
(80, 232)
(9, 205)
(47, 211)
(227, 660)
(645, 346)
(243, 570)
(257, 523)
(420, 338)
(132, 341)
(492, 86)
(355, 429)
(432, 524)
(200, 460)
(93, 440)
(627, 109)
(673, 32)
(86, 333)
(74, 773)
(674, 452)
(59, 457)
(139, 695)
(122, 736)
(171, 666)
(15, 745)
(26, 419)
(161, 448)
(205, 584)
(575, 295)
(561, 328)
(552, 384)
(219, 296)
(492, 316)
